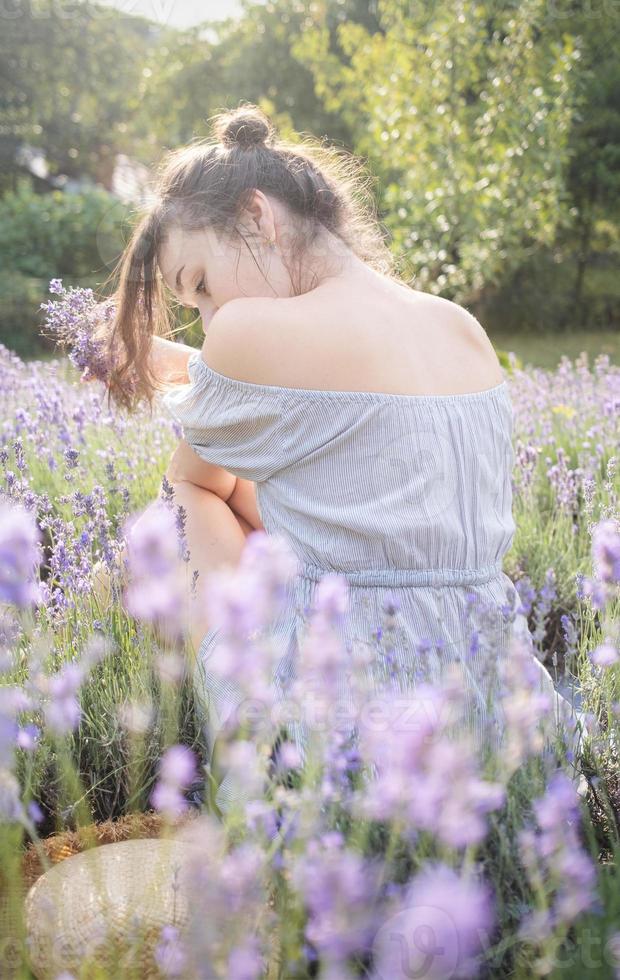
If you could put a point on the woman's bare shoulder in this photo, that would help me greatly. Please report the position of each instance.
(292, 342)
(252, 338)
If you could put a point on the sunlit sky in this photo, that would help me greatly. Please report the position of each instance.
(177, 13)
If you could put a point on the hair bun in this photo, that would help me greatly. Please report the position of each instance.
(244, 128)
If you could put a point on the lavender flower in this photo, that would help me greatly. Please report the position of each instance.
(79, 322)
(337, 886)
(605, 655)
(425, 776)
(155, 592)
(444, 923)
(555, 860)
(170, 954)
(176, 771)
(231, 884)
(522, 707)
(20, 556)
(246, 962)
(241, 602)
(606, 561)
(606, 551)
(13, 699)
(62, 710)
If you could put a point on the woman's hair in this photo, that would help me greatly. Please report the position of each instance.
(207, 184)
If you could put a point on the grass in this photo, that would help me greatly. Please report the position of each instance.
(545, 350)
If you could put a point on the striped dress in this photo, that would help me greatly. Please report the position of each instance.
(409, 497)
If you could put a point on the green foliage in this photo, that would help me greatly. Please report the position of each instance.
(20, 297)
(250, 59)
(58, 234)
(72, 80)
(45, 236)
(493, 130)
(431, 102)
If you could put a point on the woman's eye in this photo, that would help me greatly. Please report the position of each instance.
(200, 288)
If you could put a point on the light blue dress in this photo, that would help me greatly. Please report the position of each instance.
(407, 496)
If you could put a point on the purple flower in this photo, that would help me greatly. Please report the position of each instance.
(170, 954)
(523, 707)
(13, 699)
(62, 711)
(241, 602)
(176, 770)
(444, 922)
(27, 737)
(250, 595)
(605, 655)
(20, 555)
(82, 324)
(155, 592)
(231, 884)
(424, 775)
(337, 886)
(178, 765)
(555, 860)
(606, 551)
(246, 961)
(35, 812)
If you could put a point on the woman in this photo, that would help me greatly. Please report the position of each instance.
(366, 421)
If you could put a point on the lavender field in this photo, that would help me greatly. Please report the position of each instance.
(408, 853)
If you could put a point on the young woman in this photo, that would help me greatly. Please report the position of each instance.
(364, 420)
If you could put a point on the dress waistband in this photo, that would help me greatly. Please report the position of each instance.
(402, 577)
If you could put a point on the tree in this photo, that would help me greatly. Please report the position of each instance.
(72, 84)
(594, 168)
(463, 111)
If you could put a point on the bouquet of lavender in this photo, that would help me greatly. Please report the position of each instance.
(82, 324)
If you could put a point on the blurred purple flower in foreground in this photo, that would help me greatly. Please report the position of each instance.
(337, 886)
(170, 954)
(155, 592)
(606, 551)
(444, 922)
(176, 771)
(555, 860)
(20, 555)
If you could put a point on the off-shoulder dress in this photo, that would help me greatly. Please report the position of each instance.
(409, 497)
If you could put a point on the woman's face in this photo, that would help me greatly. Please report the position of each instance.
(205, 271)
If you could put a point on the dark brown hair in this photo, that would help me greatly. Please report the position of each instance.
(207, 184)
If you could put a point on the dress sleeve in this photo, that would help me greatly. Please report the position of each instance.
(234, 424)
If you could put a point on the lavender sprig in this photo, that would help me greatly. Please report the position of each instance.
(82, 324)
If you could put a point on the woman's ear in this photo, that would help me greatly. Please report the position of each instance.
(258, 215)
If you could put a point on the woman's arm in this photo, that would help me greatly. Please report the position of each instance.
(187, 465)
(171, 362)
(168, 360)
(240, 495)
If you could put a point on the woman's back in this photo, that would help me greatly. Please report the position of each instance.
(361, 332)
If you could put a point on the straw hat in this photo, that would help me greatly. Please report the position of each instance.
(107, 905)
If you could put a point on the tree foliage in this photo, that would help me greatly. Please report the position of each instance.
(492, 127)
(72, 83)
(464, 113)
